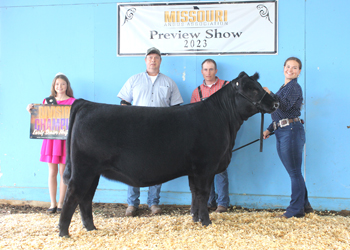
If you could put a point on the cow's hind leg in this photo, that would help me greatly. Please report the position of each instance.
(200, 188)
(194, 204)
(86, 206)
(77, 187)
(69, 205)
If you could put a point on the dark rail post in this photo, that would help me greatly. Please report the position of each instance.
(261, 131)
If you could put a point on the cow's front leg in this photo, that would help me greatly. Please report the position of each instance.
(200, 188)
(194, 204)
(203, 186)
(86, 206)
(203, 212)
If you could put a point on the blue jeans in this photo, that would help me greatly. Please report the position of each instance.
(290, 142)
(134, 195)
(223, 199)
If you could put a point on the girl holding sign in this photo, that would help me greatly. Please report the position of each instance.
(54, 151)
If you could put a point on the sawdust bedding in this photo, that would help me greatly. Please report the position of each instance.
(237, 229)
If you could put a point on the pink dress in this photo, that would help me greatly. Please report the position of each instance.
(54, 151)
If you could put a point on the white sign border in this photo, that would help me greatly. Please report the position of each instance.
(274, 52)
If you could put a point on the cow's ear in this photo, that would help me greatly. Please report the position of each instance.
(255, 76)
(242, 74)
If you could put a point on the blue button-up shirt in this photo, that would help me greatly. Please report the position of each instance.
(140, 91)
(290, 98)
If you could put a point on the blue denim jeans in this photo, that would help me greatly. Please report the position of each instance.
(134, 195)
(221, 183)
(290, 142)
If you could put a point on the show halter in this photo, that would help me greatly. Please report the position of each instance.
(258, 106)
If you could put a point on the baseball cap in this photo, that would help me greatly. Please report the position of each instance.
(153, 50)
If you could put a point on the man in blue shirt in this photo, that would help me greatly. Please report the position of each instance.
(149, 89)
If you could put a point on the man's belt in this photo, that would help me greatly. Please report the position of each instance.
(284, 122)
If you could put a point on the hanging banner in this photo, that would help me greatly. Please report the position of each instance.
(197, 28)
(49, 121)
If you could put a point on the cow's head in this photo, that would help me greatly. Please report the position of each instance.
(250, 89)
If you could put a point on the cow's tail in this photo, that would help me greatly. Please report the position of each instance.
(68, 170)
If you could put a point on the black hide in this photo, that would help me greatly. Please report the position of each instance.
(144, 146)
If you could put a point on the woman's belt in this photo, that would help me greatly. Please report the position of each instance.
(284, 122)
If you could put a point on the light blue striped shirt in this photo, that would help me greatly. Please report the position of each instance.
(140, 91)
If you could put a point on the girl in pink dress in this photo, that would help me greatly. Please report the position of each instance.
(54, 151)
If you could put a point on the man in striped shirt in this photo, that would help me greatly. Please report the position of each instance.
(210, 85)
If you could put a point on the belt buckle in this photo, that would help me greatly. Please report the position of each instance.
(274, 126)
(283, 123)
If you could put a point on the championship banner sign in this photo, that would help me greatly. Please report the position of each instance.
(49, 121)
(198, 28)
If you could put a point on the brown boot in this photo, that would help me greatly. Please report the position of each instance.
(131, 211)
(156, 209)
(221, 209)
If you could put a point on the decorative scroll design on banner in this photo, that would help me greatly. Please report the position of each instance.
(129, 14)
(264, 11)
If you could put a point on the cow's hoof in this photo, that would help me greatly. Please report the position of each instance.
(195, 218)
(89, 226)
(64, 235)
(90, 229)
(206, 223)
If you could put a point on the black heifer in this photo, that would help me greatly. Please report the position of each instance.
(144, 146)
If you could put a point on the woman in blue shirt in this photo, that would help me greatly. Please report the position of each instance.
(290, 136)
